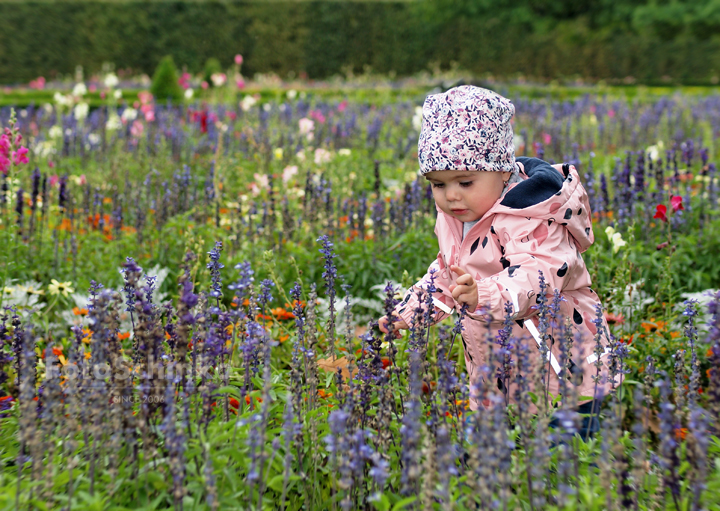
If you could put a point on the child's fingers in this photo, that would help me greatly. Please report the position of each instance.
(458, 270)
(465, 279)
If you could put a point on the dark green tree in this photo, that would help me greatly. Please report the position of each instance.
(165, 81)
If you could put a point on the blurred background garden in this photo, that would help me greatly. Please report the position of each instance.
(204, 207)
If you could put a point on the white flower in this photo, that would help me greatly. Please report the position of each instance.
(48, 108)
(117, 94)
(60, 99)
(291, 94)
(56, 288)
(129, 114)
(94, 138)
(417, 118)
(289, 172)
(111, 81)
(322, 156)
(113, 122)
(79, 89)
(218, 79)
(23, 113)
(267, 107)
(189, 93)
(300, 155)
(262, 180)
(81, 111)
(609, 230)
(617, 242)
(55, 132)
(344, 152)
(654, 151)
(45, 149)
(247, 103)
(306, 126)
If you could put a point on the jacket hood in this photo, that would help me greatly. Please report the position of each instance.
(554, 193)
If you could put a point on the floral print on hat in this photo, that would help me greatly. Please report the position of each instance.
(467, 128)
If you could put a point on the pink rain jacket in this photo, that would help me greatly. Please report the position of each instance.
(544, 225)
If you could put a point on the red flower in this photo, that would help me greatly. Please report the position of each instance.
(660, 212)
(676, 203)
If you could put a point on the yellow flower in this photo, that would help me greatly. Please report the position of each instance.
(618, 242)
(56, 287)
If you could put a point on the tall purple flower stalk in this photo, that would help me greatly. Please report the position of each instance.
(329, 274)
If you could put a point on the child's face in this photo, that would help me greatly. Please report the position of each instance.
(466, 195)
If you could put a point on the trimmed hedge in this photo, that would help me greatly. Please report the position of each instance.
(324, 38)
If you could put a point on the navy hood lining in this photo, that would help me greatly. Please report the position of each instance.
(542, 183)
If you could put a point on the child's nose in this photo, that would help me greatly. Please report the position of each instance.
(452, 194)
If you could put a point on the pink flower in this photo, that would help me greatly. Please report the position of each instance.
(145, 97)
(137, 129)
(547, 139)
(240, 83)
(611, 113)
(149, 116)
(660, 212)
(51, 164)
(204, 85)
(342, 106)
(676, 201)
(102, 95)
(4, 164)
(238, 59)
(54, 179)
(184, 80)
(318, 116)
(19, 156)
(231, 115)
(82, 180)
(92, 88)
(4, 145)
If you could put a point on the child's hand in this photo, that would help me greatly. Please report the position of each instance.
(385, 325)
(465, 289)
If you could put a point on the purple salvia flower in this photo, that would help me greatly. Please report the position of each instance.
(690, 330)
(216, 279)
(329, 274)
(669, 457)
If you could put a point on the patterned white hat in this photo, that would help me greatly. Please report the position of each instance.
(467, 128)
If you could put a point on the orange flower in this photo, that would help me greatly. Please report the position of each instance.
(87, 355)
(680, 433)
(386, 362)
(324, 394)
(123, 335)
(57, 351)
(167, 336)
(652, 325)
(88, 335)
(282, 314)
(283, 338)
(80, 312)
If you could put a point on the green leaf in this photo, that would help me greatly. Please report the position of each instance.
(383, 503)
(403, 503)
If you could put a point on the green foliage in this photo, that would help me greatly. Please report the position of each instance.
(539, 38)
(165, 81)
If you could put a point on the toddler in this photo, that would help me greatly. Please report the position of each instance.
(500, 221)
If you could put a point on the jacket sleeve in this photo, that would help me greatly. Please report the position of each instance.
(443, 301)
(532, 248)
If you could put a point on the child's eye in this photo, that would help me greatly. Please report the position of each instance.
(438, 185)
(466, 184)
